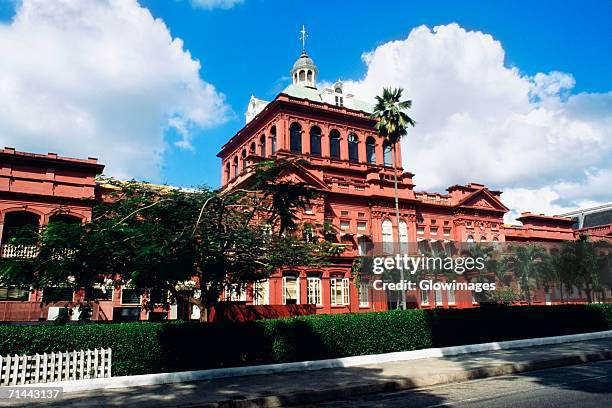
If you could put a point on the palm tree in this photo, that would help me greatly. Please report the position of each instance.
(527, 263)
(392, 123)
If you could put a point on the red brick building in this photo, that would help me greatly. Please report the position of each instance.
(344, 159)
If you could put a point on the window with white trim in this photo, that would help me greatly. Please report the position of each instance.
(314, 290)
(261, 294)
(237, 293)
(344, 224)
(438, 296)
(361, 226)
(130, 296)
(364, 295)
(403, 236)
(339, 291)
(291, 290)
(387, 236)
(425, 297)
(451, 297)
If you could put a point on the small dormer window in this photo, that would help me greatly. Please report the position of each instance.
(338, 90)
(339, 101)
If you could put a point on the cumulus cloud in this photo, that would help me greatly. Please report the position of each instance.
(481, 120)
(211, 4)
(100, 78)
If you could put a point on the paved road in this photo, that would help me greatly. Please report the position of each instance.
(583, 386)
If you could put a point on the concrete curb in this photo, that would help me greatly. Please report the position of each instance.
(314, 396)
(186, 376)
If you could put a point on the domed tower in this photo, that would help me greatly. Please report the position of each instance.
(304, 71)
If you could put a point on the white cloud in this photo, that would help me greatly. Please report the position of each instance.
(480, 120)
(211, 4)
(100, 78)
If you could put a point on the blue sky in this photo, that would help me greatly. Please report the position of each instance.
(100, 78)
(250, 48)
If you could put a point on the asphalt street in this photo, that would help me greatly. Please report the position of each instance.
(583, 386)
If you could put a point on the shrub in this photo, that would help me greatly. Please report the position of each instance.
(158, 347)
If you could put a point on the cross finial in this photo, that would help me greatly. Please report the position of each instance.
(303, 38)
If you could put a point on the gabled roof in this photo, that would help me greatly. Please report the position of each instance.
(482, 199)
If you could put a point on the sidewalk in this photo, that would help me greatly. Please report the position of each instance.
(312, 386)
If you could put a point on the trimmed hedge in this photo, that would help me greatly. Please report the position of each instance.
(144, 347)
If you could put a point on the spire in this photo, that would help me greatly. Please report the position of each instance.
(304, 71)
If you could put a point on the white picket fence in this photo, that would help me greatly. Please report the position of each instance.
(49, 367)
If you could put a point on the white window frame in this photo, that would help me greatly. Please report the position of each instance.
(128, 304)
(284, 288)
(451, 297)
(438, 297)
(345, 224)
(261, 292)
(403, 236)
(425, 297)
(364, 295)
(236, 293)
(387, 235)
(313, 291)
(342, 284)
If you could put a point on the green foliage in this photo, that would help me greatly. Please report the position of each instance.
(163, 347)
(392, 121)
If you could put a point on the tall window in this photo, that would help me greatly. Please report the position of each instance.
(295, 137)
(334, 144)
(371, 150)
(314, 290)
(387, 236)
(262, 145)
(362, 245)
(339, 291)
(403, 236)
(451, 297)
(252, 148)
(424, 297)
(228, 175)
(261, 292)
(388, 157)
(364, 295)
(235, 167)
(236, 293)
(273, 137)
(315, 141)
(438, 294)
(243, 161)
(291, 290)
(353, 147)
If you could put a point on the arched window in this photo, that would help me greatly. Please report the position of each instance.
(309, 76)
(353, 147)
(496, 244)
(315, 141)
(403, 236)
(235, 167)
(363, 245)
(243, 161)
(295, 138)
(20, 228)
(252, 148)
(65, 218)
(469, 239)
(371, 150)
(302, 76)
(334, 144)
(483, 239)
(388, 157)
(227, 172)
(387, 236)
(262, 146)
(273, 138)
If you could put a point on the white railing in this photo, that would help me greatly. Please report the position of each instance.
(50, 367)
(18, 251)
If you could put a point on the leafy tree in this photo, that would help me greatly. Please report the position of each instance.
(582, 265)
(526, 263)
(189, 245)
(392, 124)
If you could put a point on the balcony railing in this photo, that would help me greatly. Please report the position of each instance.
(18, 251)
